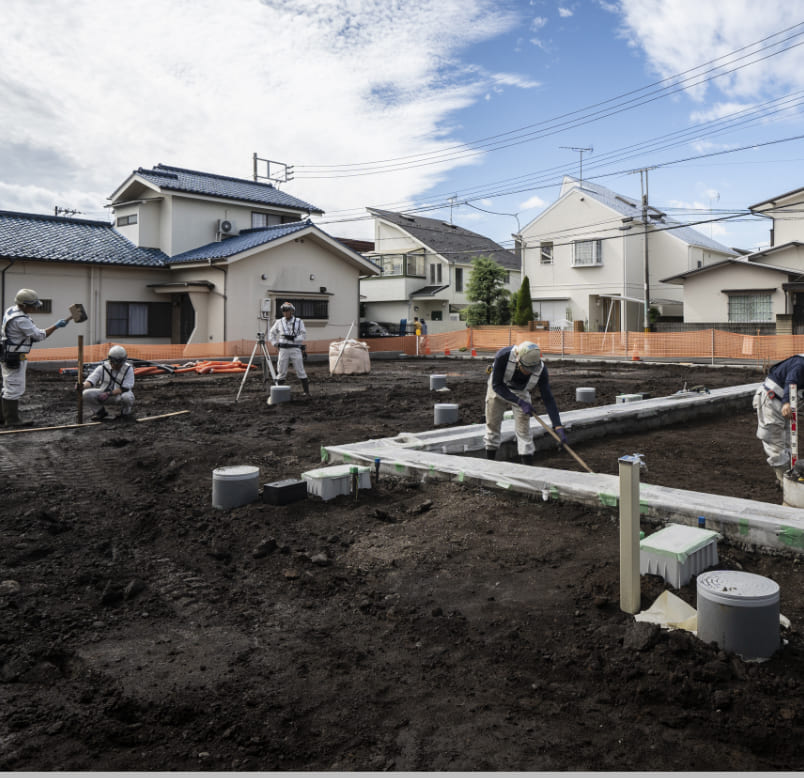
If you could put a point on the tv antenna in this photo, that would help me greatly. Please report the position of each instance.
(581, 150)
(59, 211)
(278, 172)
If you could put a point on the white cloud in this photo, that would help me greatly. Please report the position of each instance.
(537, 23)
(677, 35)
(531, 203)
(101, 88)
(564, 12)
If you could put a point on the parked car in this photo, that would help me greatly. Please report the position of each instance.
(371, 329)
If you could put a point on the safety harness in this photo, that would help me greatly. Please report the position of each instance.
(8, 346)
(511, 367)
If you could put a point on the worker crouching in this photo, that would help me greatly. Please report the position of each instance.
(110, 383)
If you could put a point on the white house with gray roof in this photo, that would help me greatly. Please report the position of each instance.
(191, 257)
(585, 257)
(425, 267)
(758, 292)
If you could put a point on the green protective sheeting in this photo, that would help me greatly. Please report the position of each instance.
(324, 454)
(743, 526)
(399, 467)
(609, 500)
(791, 536)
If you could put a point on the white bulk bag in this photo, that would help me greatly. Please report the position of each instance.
(349, 357)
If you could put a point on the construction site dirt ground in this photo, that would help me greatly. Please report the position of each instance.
(434, 626)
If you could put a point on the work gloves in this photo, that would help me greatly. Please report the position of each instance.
(525, 407)
(104, 396)
(61, 323)
(561, 435)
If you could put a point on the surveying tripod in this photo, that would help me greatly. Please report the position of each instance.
(260, 343)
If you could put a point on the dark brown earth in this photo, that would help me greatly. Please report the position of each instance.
(423, 627)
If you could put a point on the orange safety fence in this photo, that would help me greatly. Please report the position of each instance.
(700, 344)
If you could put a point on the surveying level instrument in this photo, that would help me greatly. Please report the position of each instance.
(259, 344)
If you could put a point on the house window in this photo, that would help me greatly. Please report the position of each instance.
(435, 273)
(458, 279)
(587, 252)
(259, 220)
(546, 249)
(753, 307)
(317, 309)
(415, 265)
(122, 221)
(436, 316)
(151, 320)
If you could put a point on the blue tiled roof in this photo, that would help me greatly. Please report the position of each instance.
(247, 239)
(628, 206)
(177, 179)
(61, 239)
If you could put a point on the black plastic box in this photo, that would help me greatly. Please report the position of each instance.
(284, 492)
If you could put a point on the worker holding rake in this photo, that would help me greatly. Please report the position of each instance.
(515, 373)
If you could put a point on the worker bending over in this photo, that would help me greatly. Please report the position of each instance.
(772, 404)
(515, 373)
(110, 383)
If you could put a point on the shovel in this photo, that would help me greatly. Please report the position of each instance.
(77, 313)
(563, 445)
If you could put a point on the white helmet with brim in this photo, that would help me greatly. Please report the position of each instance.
(529, 355)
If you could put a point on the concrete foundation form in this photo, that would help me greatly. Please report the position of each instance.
(452, 454)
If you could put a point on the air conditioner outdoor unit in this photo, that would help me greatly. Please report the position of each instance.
(225, 227)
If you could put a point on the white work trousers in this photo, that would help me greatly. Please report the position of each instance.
(14, 381)
(772, 429)
(495, 408)
(292, 356)
(92, 402)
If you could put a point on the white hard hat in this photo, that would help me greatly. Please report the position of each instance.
(117, 354)
(529, 355)
(28, 297)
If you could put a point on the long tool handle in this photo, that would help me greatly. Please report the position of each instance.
(563, 445)
(80, 414)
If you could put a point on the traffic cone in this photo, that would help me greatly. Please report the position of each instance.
(634, 355)
(446, 352)
(474, 352)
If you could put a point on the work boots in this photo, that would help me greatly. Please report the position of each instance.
(526, 459)
(306, 386)
(11, 414)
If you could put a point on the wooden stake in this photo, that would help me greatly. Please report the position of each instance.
(80, 413)
(42, 429)
(162, 416)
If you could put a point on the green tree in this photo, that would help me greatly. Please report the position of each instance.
(485, 288)
(523, 313)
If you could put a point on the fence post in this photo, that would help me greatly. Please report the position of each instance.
(562, 341)
(713, 345)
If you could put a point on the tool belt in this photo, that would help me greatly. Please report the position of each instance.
(290, 345)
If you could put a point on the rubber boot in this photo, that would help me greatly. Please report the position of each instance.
(11, 415)
(491, 453)
(306, 386)
(780, 471)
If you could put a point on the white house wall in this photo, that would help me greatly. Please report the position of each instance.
(92, 286)
(705, 301)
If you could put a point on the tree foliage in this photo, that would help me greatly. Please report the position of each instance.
(485, 289)
(522, 312)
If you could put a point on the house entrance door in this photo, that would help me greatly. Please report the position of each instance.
(186, 318)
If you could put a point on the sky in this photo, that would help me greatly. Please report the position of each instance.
(468, 111)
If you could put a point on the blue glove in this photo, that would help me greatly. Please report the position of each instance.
(561, 434)
(61, 323)
(525, 407)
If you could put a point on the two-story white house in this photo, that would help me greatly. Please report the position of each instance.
(191, 257)
(425, 268)
(598, 257)
(762, 291)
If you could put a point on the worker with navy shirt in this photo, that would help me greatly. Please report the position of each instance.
(515, 373)
(772, 404)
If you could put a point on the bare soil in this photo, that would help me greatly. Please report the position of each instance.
(423, 627)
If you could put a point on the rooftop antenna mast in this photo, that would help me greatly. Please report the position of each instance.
(581, 150)
(451, 204)
(278, 172)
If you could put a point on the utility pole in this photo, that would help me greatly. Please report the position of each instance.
(581, 150)
(644, 185)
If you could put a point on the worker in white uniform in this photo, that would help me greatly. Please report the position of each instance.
(17, 335)
(287, 335)
(110, 383)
